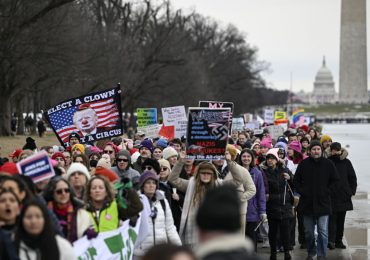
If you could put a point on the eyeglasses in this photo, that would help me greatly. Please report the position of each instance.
(60, 191)
(164, 169)
(149, 168)
(108, 151)
(122, 160)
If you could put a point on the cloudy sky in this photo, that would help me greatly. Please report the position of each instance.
(291, 35)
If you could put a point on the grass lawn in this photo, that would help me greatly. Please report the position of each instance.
(9, 143)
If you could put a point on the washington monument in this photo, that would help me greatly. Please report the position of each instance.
(353, 56)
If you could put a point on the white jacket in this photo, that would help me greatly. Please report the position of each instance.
(164, 228)
(83, 222)
(65, 250)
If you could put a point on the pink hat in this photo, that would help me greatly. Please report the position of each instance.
(266, 142)
(295, 146)
(274, 152)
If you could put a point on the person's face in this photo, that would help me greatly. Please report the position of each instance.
(23, 156)
(172, 160)
(305, 144)
(242, 139)
(189, 162)
(86, 120)
(290, 152)
(9, 207)
(109, 150)
(33, 221)
(98, 191)
(67, 156)
(76, 151)
(164, 173)
(182, 256)
(62, 193)
(312, 133)
(281, 153)
(79, 159)
(74, 140)
(271, 161)
(257, 148)
(177, 147)
(77, 179)
(150, 187)
(157, 154)
(42, 184)
(50, 152)
(122, 162)
(234, 135)
(293, 138)
(316, 152)
(264, 150)
(246, 159)
(218, 162)
(13, 186)
(335, 152)
(145, 152)
(205, 175)
(326, 144)
(61, 162)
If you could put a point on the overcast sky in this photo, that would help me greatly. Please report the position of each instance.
(291, 35)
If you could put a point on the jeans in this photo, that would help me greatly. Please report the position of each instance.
(322, 237)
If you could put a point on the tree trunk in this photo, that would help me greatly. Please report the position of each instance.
(20, 109)
(5, 115)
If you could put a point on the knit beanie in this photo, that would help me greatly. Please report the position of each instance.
(220, 210)
(80, 147)
(266, 142)
(58, 154)
(162, 143)
(281, 145)
(126, 154)
(115, 147)
(146, 175)
(282, 139)
(147, 143)
(164, 163)
(151, 162)
(108, 173)
(9, 168)
(168, 152)
(325, 138)
(233, 151)
(78, 167)
(104, 163)
(314, 143)
(274, 152)
(30, 144)
(295, 146)
(335, 146)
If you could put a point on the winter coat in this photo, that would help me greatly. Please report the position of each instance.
(188, 229)
(257, 204)
(345, 188)
(130, 173)
(66, 251)
(246, 190)
(314, 180)
(137, 164)
(164, 228)
(228, 246)
(280, 201)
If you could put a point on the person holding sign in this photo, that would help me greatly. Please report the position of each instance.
(204, 179)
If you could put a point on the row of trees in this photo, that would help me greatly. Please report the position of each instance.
(51, 50)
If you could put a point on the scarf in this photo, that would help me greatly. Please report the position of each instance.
(67, 217)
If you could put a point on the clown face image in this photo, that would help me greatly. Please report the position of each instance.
(86, 120)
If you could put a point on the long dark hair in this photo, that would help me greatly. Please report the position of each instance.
(250, 152)
(46, 241)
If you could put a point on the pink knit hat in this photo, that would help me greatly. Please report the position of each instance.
(274, 152)
(266, 142)
(295, 146)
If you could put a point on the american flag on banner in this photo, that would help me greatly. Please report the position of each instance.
(106, 110)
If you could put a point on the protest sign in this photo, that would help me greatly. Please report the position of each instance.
(280, 115)
(112, 245)
(269, 116)
(38, 167)
(219, 104)
(207, 133)
(150, 131)
(238, 124)
(252, 125)
(175, 116)
(275, 131)
(146, 116)
(167, 132)
(93, 116)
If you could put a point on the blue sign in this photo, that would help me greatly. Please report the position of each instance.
(38, 167)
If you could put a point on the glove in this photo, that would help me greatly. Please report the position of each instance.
(91, 233)
(263, 217)
(125, 180)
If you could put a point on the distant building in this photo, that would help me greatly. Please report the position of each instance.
(324, 90)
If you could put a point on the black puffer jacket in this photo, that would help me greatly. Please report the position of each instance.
(276, 208)
(314, 180)
(346, 187)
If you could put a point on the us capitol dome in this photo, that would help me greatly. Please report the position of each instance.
(324, 91)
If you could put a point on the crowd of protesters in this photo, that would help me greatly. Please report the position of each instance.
(195, 209)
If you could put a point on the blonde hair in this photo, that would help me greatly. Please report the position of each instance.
(202, 188)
